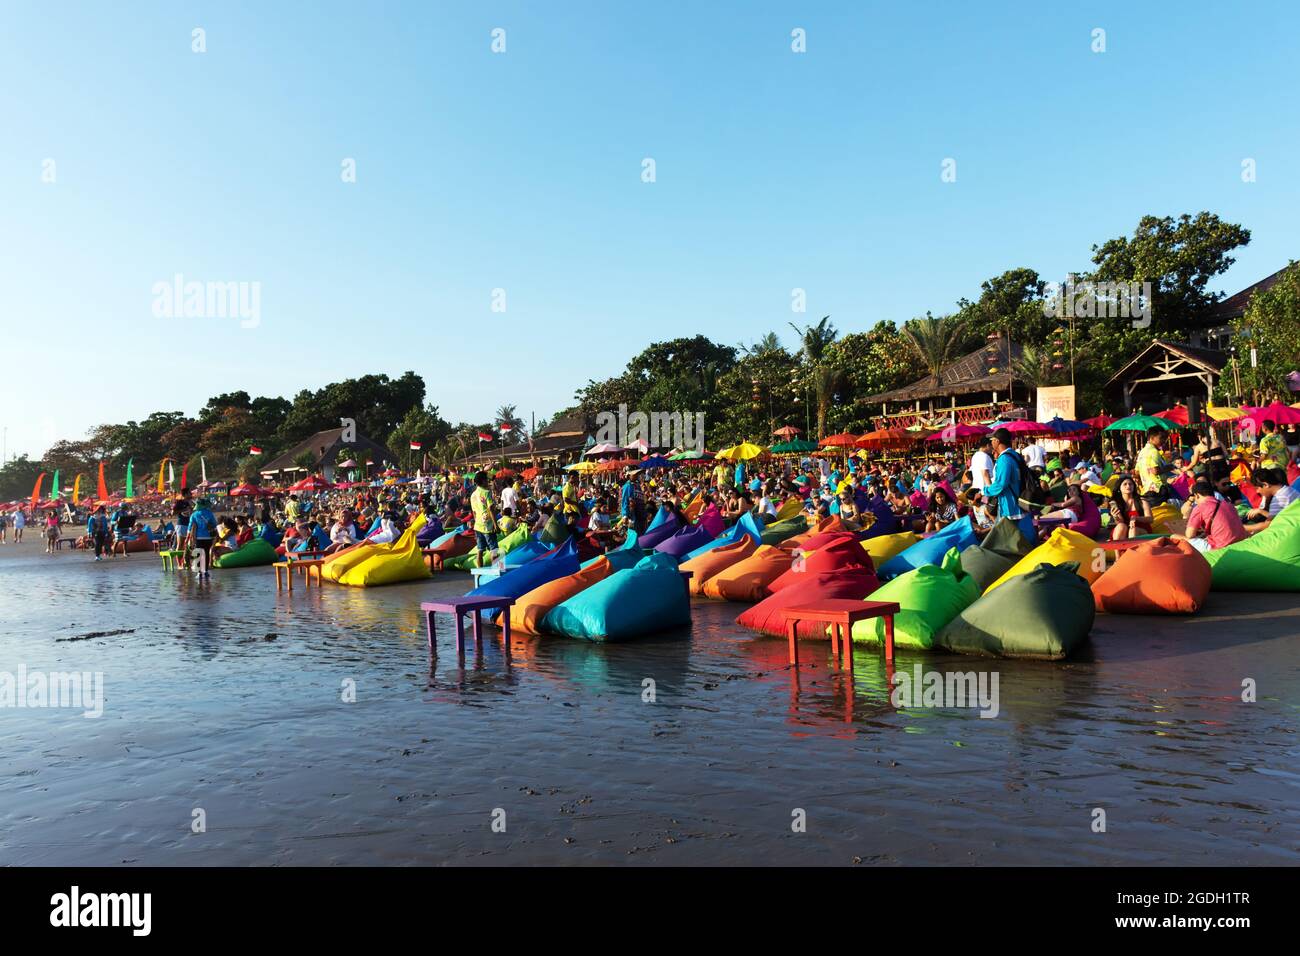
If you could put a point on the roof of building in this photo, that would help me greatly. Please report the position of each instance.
(320, 445)
(1209, 360)
(1234, 306)
(959, 377)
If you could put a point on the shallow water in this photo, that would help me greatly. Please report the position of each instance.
(202, 710)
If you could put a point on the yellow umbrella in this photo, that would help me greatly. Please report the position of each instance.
(745, 451)
(1224, 414)
(582, 467)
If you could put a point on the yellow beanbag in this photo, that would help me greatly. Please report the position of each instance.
(402, 560)
(885, 546)
(1063, 545)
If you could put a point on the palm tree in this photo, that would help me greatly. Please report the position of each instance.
(935, 340)
(767, 345)
(824, 379)
(506, 415)
(816, 339)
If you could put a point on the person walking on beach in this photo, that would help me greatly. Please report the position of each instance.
(52, 529)
(4, 527)
(20, 522)
(202, 532)
(485, 522)
(98, 529)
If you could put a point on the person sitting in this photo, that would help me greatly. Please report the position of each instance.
(1213, 522)
(1071, 506)
(227, 538)
(1130, 513)
(1275, 494)
(942, 510)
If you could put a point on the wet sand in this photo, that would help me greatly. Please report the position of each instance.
(228, 697)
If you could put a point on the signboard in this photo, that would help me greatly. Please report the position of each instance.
(1056, 401)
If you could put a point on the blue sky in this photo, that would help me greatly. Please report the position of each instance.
(522, 171)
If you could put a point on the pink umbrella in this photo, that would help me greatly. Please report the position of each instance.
(1276, 412)
(954, 433)
(1026, 428)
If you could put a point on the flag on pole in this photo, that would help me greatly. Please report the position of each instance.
(415, 445)
(485, 436)
(54, 489)
(185, 471)
(171, 474)
(130, 481)
(76, 490)
(254, 450)
(506, 426)
(203, 470)
(162, 468)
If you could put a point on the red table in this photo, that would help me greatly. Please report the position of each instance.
(841, 614)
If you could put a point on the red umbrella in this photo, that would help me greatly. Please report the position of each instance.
(1100, 422)
(1178, 415)
(251, 491)
(530, 473)
(313, 483)
(789, 431)
(504, 473)
(1027, 428)
(842, 440)
(886, 438)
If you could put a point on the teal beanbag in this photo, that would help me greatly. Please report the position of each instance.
(625, 605)
(1042, 615)
(1267, 561)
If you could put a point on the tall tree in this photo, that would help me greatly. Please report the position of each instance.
(935, 340)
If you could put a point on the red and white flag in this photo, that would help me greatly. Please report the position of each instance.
(485, 436)
(505, 426)
(415, 445)
(255, 450)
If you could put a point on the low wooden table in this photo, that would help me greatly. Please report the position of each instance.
(458, 607)
(289, 568)
(841, 614)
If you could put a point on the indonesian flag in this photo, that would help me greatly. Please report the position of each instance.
(485, 436)
(505, 426)
(255, 450)
(415, 445)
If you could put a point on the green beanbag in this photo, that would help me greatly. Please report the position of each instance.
(1267, 561)
(505, 545)
(255, 554)
(1041, 615)
(997, 554)
(778, 531)
(928, 597)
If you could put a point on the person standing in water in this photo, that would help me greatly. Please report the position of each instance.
(52, 529)
(202, 532)
(485, 522)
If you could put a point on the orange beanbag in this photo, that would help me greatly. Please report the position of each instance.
(839, 556)
(529, 609)
(748, 580)
(719, 559)
(849, 584)
(1160, 576)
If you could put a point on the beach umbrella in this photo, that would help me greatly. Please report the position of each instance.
(657, 461)
(311, 483)
(1066, 426)
(504, 473)
(1101, 421)
(788, 432)
(691, 456)
(1275, 412)
(1140, 423)
(582, 467)
(1024, 428)
(529, 474)
(639, 445)
(794, 446)
(842, 440)
(1178, 415)
(348, 464)
(745, 451)
(244, 489)
(605, 448)
(1224, 414)
(956, 433)
(886, 438)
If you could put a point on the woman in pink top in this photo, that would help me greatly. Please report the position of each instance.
(1213, 523)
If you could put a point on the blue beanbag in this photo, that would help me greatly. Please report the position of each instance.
(660, 517)
(561, 563)
(959, 535)
(626, 605)
(526, 553)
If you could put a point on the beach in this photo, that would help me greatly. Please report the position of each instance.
(226, 702)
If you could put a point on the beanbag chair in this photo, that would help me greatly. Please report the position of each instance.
(960, 535)
(661, 516)
(530, 608)
(1042, 614)
(431, 532)
(747, 579)
(789, 508)
(1267, 561)
(816, 542)
(625, 605)
(338, 563)
(717, 560)
(1157, 577)
(273, 536)
(555, 530)
(928, 598)
(452, 544)
(560, 563)
(132, 544)
(778, 531)
(747, 526)
(1063, 546)
(710, 519)
(882, 548)
(842, 555)
(400, 560)
(997, 554)
(527, 552)
(851, 584)
(256, 553)
(684, 541)
(1167, 519)
(827, 526)
(655, 536)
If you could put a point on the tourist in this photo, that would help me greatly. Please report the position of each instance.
(485, 522)
(1275, 495)
(1070, 509)
(942, 510)
(1273, 452)
(1008, 477)
(20, 522)
(1130, 513)
(1152, 466)
(201, 534)
(1213, 522)
(52, 529)
(98, 529)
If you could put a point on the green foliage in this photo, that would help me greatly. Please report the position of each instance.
(422, 424)
(1271, 325)
(935, 340)
(18, 476)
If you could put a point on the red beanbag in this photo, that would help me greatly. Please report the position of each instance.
(1160, 576)
(852, 584)
(719, 559)
(747, 580)
(839, 556)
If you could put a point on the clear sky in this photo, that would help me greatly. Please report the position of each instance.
(522, 171)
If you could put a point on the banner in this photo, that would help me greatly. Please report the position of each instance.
(54, 489)
(161, 466)
(203, 471)
(36, 491)
(102, 491)
(1056, 401)
(130, 485)
(76, 490)
(185, 470)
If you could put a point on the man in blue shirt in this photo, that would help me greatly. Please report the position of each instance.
(1006, 484)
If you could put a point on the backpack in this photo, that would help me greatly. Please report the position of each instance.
(1031, 486)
